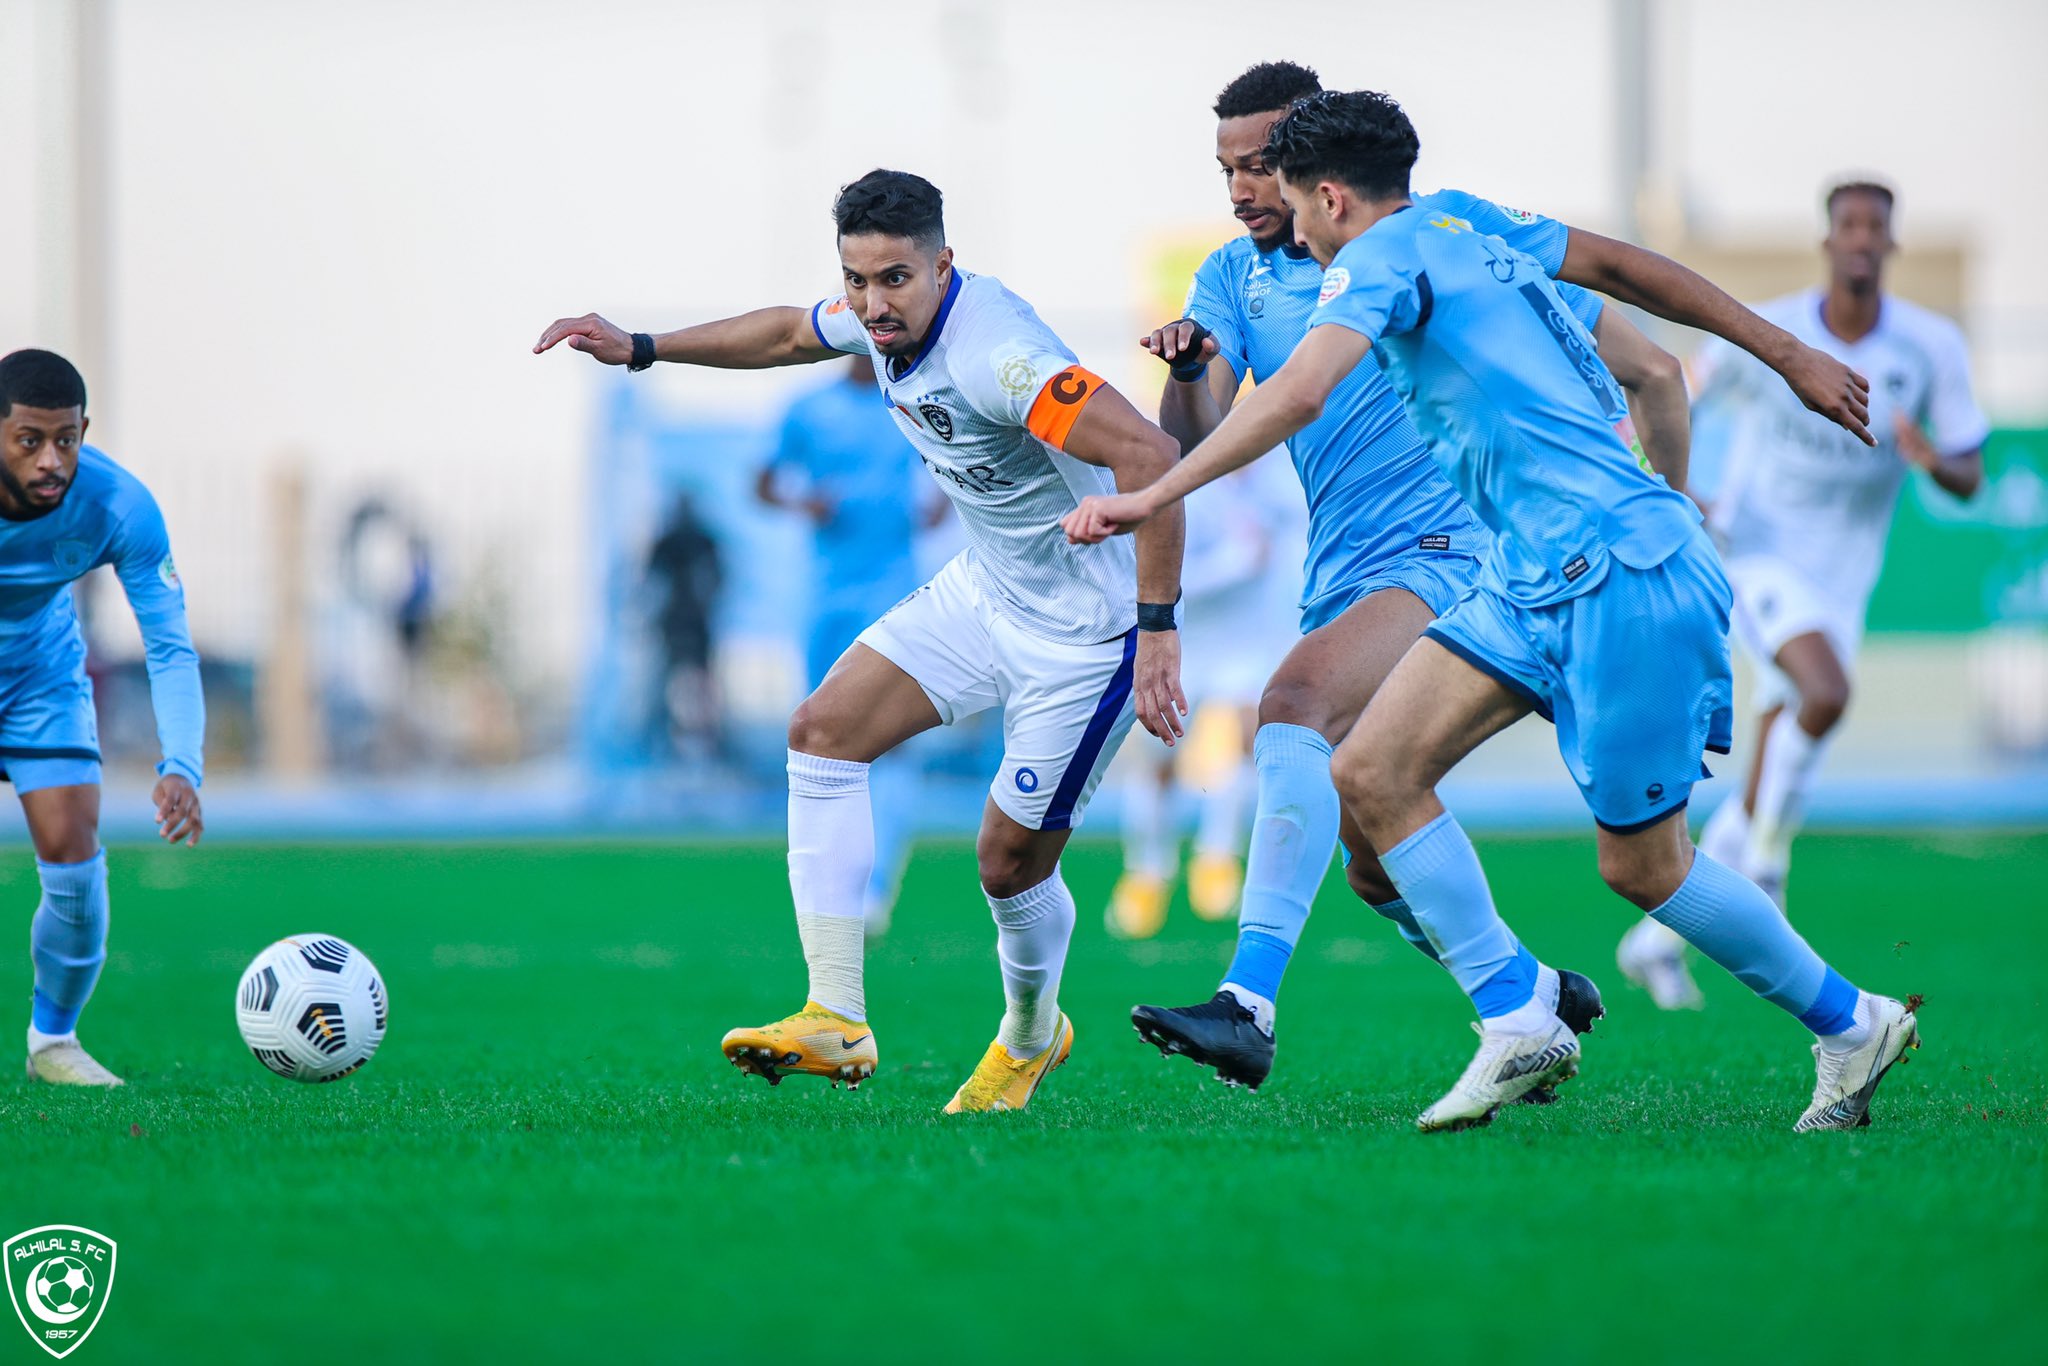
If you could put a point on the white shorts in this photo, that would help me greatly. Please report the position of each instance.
(1231, 641)
(1775, 603)
(1066, 708)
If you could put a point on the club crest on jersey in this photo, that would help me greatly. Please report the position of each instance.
(938, 419)
(72, 557)
(1335, 281)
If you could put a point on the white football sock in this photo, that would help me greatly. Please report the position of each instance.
(1547, 986)
(831, 857)
(1725, 837)
(1264, 1012)
(1531, 1017)
(1150, 842)
(1791, 757)
(1857, 1034)
(1032, 931)
(38, 1041)
(1221, 832)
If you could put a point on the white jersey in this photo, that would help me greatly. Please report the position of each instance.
(1800, 489)
(987, 402)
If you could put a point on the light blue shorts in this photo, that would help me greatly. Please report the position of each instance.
(1437, 577)
(1633, 673)
(49, 732)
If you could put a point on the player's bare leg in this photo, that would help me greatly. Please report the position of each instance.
(1034, 915)
(865, 707)
(1786, 765)
(69, 936)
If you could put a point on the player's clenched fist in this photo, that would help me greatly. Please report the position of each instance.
(592, 335)
(1101, 516)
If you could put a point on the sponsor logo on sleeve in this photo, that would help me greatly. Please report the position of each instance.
(1335, 281)
(1522, 216)
(838, 305)
(168, 572)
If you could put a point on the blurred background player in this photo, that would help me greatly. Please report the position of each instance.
(65, 510)
(1802, 514)
(1241, 579)
(1073, 645)
(840, 463)
(1390, 545)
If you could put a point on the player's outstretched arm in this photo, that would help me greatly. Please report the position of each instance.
(752, 341)
(1275, 411)
(1190, 409)
(1112, 434)
(1655, 384)
(141, 554)
(1669, 290)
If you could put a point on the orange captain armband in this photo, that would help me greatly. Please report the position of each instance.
(1059, 404)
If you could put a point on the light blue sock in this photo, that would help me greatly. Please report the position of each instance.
(1293, 836)
(1438, 875)
(1404, 920)
(68, 940)
(1729, 919)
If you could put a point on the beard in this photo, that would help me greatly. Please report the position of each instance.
(29, 504)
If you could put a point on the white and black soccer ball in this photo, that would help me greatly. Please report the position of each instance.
(312, 1007)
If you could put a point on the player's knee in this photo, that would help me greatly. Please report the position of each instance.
(1366, 782)
(813, 729)
(1010, 867)
(1644, 877)
(1294, 702)
(1821, 707)
(72, 844)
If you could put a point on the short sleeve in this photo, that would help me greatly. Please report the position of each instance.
(1371, 293)
(1585, 305)
(1209, 304)
(1529, 233)
(1955, 423)
(838, 328)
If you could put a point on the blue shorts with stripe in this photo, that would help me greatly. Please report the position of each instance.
(1633, 673)
(49, 732)
(1066, 708)
(1438, 577)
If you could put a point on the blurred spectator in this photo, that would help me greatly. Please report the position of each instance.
(684, 565)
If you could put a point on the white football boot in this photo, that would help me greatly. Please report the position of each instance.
(64, 1063)
(1506, 1068)
(1652, 955)
(1847, 1079)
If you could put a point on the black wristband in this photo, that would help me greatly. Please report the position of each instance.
(1185, 370)
(1158, 616)
(643, 352)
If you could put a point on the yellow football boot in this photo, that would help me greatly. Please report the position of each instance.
(1215, 882)
(814, 1041)
(1001, 1082)
(1137, 908)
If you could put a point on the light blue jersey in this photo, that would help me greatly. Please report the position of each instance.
(108, 518)
(1375, 498)
(844, 447)
(1505, 384)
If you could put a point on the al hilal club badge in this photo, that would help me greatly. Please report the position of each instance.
(59, 1277)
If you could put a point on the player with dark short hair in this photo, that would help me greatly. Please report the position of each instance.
(65, 510)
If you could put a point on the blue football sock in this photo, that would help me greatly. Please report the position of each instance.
(1404, 920)
(1293, 836)
(1438, 875)
(68, 940)
(1729, 919)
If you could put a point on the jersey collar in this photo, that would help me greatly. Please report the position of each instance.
(931, 336)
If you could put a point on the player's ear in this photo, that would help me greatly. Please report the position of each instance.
(944, 260)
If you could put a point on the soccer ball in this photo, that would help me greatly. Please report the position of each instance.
(64, 1284)
(311, 1008)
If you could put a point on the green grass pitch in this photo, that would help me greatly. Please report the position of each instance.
(550, 1161)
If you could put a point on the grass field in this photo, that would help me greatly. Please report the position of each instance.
(550, 1161)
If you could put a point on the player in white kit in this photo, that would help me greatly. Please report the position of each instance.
(1241, 578)
(1070, 641)
(1802, 514)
